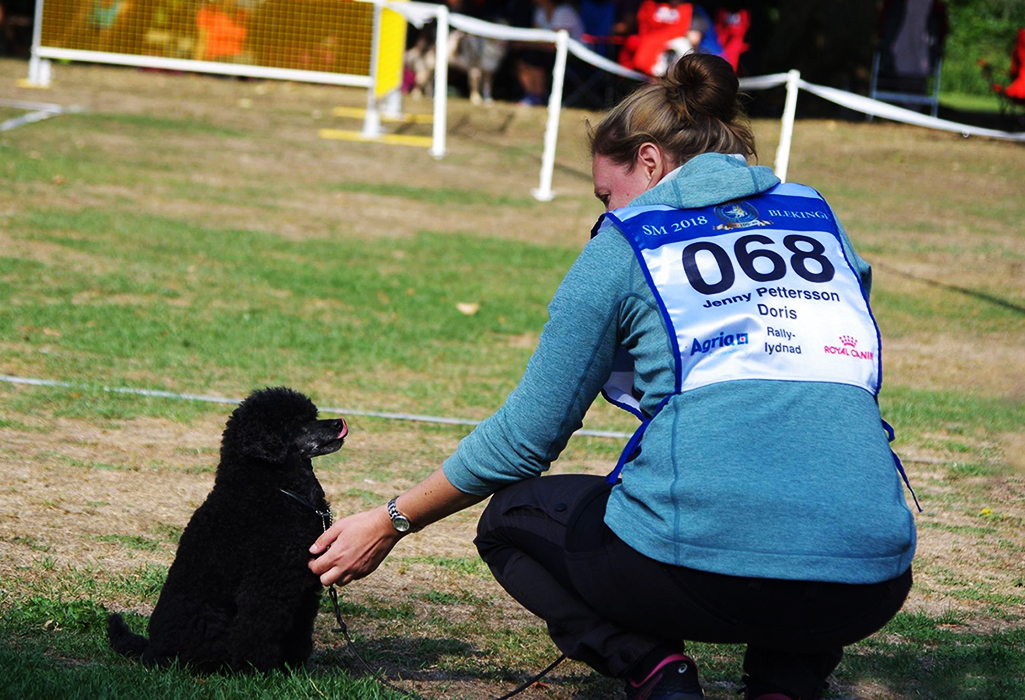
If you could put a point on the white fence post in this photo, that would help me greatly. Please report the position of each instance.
(372, 118)
(440, 84)
(39, 73)
(544, 193)
(393, 104)
(786, 134)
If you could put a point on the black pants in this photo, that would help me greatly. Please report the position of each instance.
(605, 604)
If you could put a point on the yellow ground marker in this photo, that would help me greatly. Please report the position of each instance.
(24, 83)
(394, 139)
(357, 113)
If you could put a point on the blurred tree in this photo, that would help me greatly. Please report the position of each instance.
(979, 29)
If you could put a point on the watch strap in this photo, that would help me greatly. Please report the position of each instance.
(397, 517)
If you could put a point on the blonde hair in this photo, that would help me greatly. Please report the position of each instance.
(691, 110)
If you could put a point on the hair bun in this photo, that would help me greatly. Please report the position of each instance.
(691, 110)
(700, 83)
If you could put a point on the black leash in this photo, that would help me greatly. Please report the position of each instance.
(350, 645)
(325, 515)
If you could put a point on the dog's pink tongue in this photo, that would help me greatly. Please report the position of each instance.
(345, 430)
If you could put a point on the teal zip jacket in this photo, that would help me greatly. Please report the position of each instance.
(754, 478)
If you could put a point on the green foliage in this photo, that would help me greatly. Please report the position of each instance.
(44, 612)
(142, 583)
(935, 657)
(373, 609)
(30, 670)
(442, 598)
(983, 29)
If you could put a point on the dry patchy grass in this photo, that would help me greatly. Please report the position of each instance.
(937, 215)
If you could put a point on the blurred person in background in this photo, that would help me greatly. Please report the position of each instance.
(535, 61)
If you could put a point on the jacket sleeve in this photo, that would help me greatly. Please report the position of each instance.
(572, 361)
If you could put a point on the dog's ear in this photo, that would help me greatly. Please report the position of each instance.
(248, 440)
(266, 447)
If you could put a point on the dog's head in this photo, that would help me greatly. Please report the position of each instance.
(278, 424)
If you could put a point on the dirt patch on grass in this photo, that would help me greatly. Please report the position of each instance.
(1014, 450)
(79, 482)
(938, 361)
(71, 482)
(53, 254)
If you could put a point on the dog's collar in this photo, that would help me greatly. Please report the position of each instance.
(325, 515)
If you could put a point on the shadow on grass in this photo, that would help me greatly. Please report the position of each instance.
(417, 659)
(983, 296)
(525, 153)
(925, 658)
(412, 665)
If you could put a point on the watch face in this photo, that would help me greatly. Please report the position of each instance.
(398, 520)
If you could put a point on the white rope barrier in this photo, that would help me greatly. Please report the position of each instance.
(29, 118)
(39, 112)
(501, 32)
(598, 61)
(876, 108)
(155, 393)
(33, 106)
(763, 82)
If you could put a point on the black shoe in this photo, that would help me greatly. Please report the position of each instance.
(676, 678)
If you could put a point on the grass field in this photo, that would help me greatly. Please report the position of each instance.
(194, 234)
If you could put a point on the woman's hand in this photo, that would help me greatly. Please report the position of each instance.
(353, 547)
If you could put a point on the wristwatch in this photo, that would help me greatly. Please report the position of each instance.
(398, 520)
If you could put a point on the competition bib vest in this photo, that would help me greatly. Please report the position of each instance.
(758, 288)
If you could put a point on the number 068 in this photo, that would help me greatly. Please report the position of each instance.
(746, 256)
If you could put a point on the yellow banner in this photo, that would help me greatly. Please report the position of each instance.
(391, 51)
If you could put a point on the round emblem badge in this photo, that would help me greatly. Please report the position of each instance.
(737, 213)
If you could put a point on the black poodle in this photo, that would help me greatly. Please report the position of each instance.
(239, 595)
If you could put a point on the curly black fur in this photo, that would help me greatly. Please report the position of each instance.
(239, 595)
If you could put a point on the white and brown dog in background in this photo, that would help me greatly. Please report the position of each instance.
(478, 57)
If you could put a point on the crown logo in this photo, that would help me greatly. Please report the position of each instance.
(848, 341)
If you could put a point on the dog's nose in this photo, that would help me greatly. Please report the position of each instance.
(343, 429)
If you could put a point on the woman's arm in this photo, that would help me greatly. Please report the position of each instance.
(355, 546)
(521, 440)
